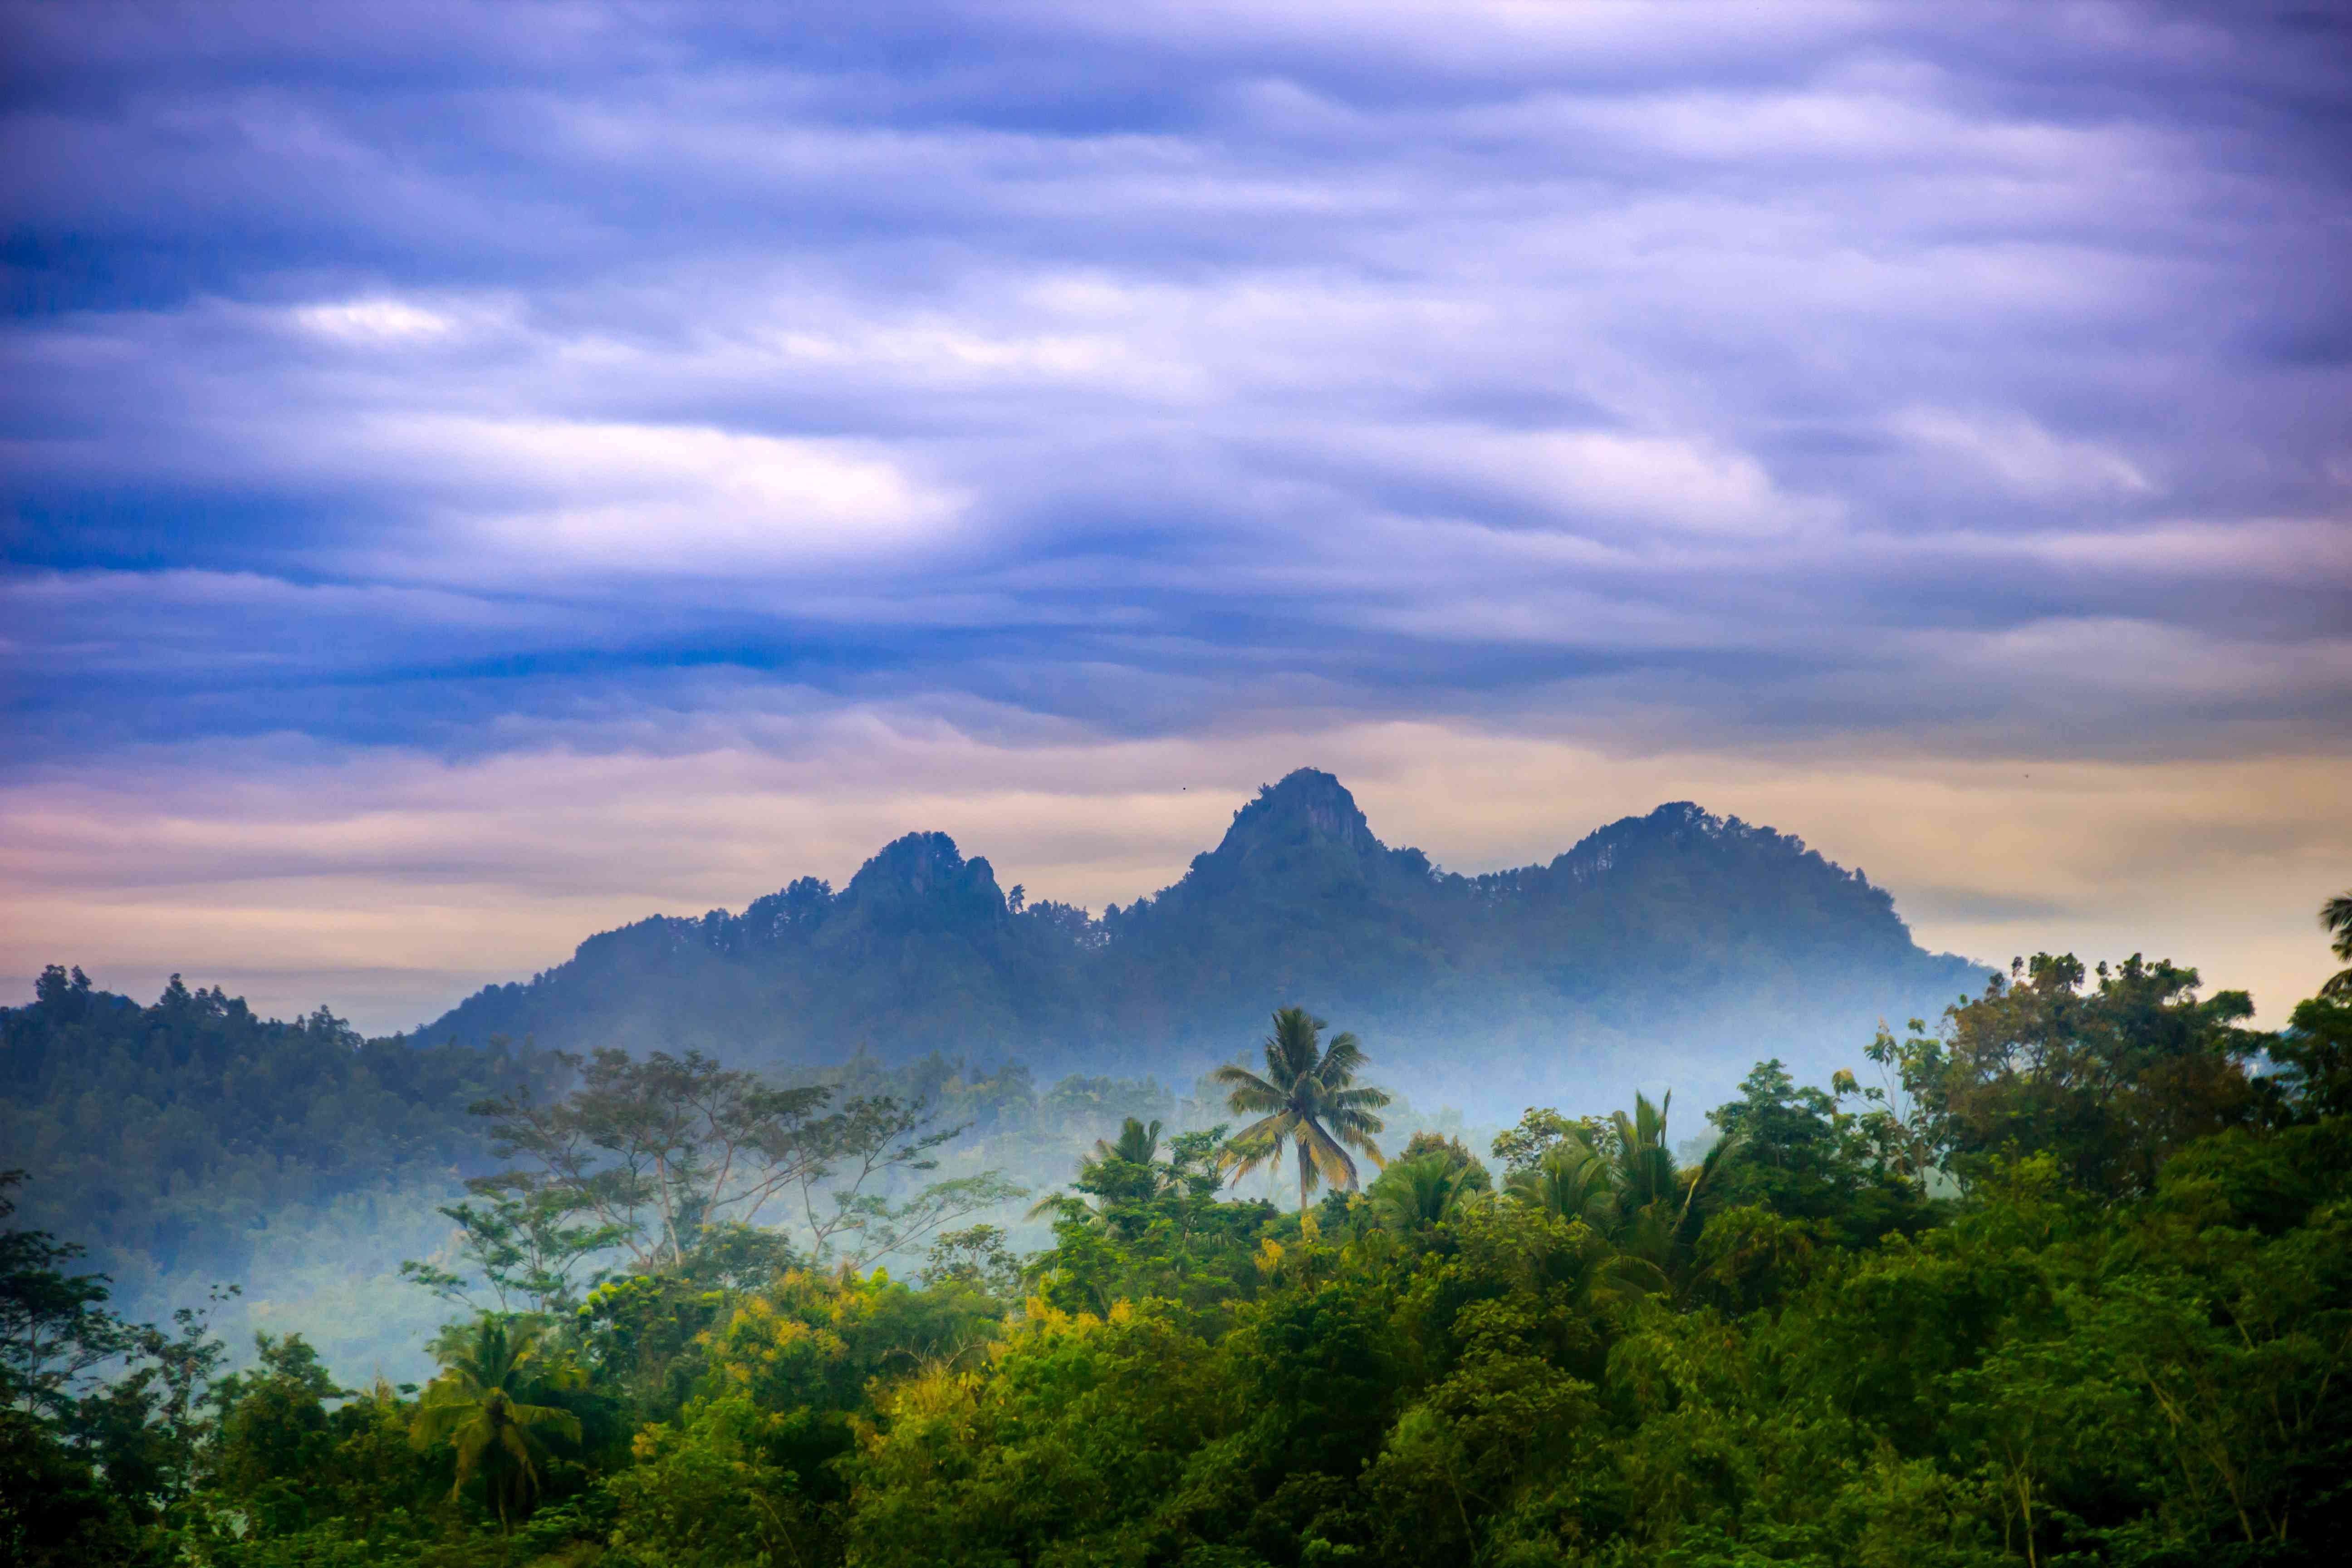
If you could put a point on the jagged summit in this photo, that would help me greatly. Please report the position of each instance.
(1304, 832)
(924, 878)
(1308, 806)
(1675, 934)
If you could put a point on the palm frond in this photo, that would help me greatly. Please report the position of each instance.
(517, 1444)
(566, 1425)
(1291, 1050)
(1249, 1092)
(1329, 1159)
(1570, 1181)
(1342, 1059)
(473, 1441)
(436, 1420)
(2335, 918)
(1626, 1278)
(1271, 1128)
(1258, 1143)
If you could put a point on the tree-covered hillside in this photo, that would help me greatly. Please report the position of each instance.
(195, 1117)
(1693, 939)
(190, 1141)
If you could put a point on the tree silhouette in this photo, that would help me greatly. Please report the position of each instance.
(2335, 918)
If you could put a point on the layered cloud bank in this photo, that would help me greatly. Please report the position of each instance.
(480, 472)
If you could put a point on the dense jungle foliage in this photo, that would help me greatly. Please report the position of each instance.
(1680, 930)
(2070, 1281)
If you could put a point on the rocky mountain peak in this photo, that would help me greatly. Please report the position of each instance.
(1308, 806)
(924, 872)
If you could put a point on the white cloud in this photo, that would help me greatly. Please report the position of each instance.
(2023, 456)
(373, 321)
(1599, 480)
(652, 499)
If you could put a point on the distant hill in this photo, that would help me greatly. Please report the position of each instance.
(191, 1140)
(1676, 947)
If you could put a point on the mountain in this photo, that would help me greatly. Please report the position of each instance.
(1676, 947)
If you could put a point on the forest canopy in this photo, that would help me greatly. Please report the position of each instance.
(2065, 1278)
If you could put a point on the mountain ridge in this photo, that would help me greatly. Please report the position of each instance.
(1679, 936)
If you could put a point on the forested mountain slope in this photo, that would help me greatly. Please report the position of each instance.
(192, 1141)
(1696, 940)
(195, 1116)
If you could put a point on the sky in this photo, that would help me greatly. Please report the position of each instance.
(476, 474)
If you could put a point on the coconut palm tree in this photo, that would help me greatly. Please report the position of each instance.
(1126, 1169)
(1629, 1191)
(1138, 1144)
(1656, 1198)
(483, 1405)
(1308, 1098)
(1426, 1190)
(1571, 1182)
(2335, 918)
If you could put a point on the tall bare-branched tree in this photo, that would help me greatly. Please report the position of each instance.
(661, 1150)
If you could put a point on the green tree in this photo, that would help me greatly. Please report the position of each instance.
(2107, 1080)
(976, 1257)
(1539, 1131)
(1570, 1181)
(54, 1326)
(1793, 1149)
(1657, 1196)
(147, 1427)
(487, 1408)
(1132, 1157)
(2314, 1058)
(659, 1149)
(56, 1510)
(1308, 1098)
(517, 1245)
(1620, 1177)
(1121, 1173)
(274, 1444)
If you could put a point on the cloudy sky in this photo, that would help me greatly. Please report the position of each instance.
(475, 473)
